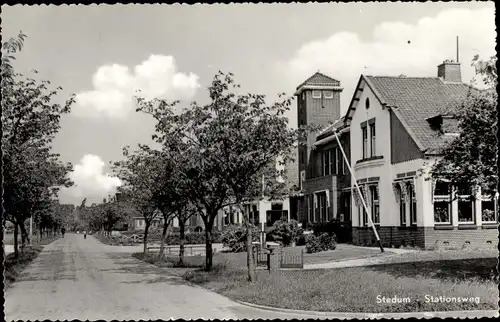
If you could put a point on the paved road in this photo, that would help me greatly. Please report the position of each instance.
(74, 278)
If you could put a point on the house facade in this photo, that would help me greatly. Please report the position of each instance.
(324, 180)
(397, 127)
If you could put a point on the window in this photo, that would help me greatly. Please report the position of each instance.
(309, 208)
(328, 94)
(442, 203)
(333, 162)
(361, 210)
(487, 208)
(338, 165)
(367, 103)
(316, 94)
(413, 203)
(374, 204)
(342, 162)
(372, 140)
(365, 142)
(322, 206)
(301, 123)
(303, 95)
(326, 163)
(402, 206)
(465, 204)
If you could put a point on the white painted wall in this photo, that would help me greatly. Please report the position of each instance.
(376, 168)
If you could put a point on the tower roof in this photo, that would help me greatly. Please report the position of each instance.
(319, 79)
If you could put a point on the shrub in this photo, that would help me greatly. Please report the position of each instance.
(315, 244)
(286, 232)
(234, 237)
(301, 241)
(192, 238)
(342, 230)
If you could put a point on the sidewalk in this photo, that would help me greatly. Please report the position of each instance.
(390, 253)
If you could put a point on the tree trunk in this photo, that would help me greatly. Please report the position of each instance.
(145, 240)
(16, 246)
(163, 237)
(182, 240)
(24, 234)
(208, 243)
(40, 232)
(250, 254)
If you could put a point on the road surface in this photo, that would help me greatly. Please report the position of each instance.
(77, 278)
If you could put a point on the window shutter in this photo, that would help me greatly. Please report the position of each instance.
(327, 198)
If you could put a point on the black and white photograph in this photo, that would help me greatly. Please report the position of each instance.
(249, 161)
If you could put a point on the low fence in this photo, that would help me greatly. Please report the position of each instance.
(279, 257)
(189, 250)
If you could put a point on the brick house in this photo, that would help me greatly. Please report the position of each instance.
(323, 181)
(397, 127)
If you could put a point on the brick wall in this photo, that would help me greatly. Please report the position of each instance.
(480, 237)
(450, 72)
(427, 237)
(395, 236)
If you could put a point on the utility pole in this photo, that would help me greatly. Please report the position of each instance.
(358, 190)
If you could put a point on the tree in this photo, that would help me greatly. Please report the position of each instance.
(472, 157)
(31, 173)
(224, 147)
(141, 173)
(186, 211)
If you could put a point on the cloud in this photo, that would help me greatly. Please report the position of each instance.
(90, 179)
(115, 85)
(397, 48)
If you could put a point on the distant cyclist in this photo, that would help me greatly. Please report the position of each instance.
(84, 234)
(63, 230)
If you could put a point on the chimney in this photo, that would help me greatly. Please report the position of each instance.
(449, 71)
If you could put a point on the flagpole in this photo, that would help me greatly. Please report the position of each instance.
(358, 190)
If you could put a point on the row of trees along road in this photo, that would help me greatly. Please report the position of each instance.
(209, 157)
(32, 174)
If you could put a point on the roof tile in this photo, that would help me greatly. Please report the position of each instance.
(419, 98)
(320, 80)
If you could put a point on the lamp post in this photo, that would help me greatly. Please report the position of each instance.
(496, 206)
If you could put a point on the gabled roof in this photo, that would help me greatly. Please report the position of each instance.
(414, 100)
(319, 79)
(418, 98)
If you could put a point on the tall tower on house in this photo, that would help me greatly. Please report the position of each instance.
(318, 102)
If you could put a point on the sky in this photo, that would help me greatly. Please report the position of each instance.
(104, 53)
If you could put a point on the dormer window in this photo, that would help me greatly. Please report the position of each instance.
(445, 125)
(316, 94)
(328, 94)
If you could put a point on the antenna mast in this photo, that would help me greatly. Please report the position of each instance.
(457, 50)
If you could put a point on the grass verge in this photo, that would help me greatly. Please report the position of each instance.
(361, 289)
(14, 266)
